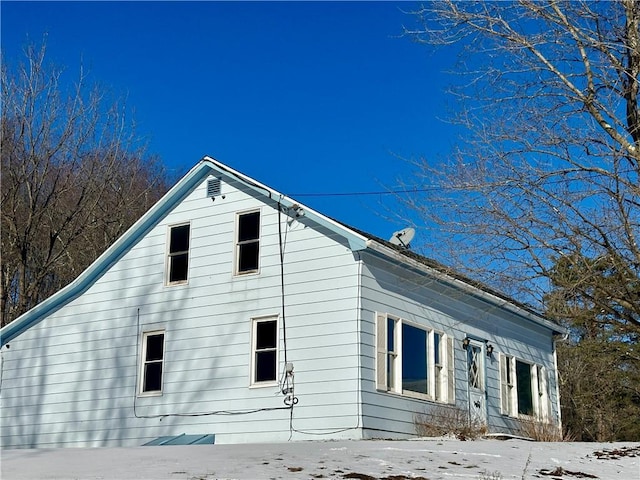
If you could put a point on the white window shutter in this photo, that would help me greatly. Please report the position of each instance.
(451, 383)
(504, 386)
(381, 351)
(543, 396)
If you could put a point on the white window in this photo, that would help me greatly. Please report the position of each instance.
(178, 254)
(413, 360)
(523, 388)
(247, 242)
(264, 351)
(506, 385)
(152, 362)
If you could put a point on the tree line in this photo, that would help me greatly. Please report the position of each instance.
(541, 198)
(75, 176)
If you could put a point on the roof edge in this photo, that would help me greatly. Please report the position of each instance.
(205, 167)
(489, 297)
(109, 257)
(356, 240)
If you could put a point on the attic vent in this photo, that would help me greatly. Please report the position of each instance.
(213, 187)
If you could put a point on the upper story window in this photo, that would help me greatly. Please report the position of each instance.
(248, 243)
(152, 362)
(413, 360)
(264, 348)
(178, 255)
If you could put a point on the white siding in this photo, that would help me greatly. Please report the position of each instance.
(71, 379)
(397, 291)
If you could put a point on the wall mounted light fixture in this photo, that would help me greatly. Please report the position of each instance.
(489, 350)
(465, 342)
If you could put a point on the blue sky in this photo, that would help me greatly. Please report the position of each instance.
(308, 97)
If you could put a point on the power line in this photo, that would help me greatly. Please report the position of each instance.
(479, 187)
(355, 194)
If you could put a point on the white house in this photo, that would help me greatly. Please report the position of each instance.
(232, 313)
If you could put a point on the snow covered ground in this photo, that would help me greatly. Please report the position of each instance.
(431, 459)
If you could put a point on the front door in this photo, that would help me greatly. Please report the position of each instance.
(475, 371)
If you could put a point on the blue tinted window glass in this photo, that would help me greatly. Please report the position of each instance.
(414, 359)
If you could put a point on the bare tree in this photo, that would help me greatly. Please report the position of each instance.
(74, 178)
(550, 166)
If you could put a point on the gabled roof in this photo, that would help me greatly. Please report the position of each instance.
(356, 239)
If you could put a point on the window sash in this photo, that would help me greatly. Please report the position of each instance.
(248, 242)
(523, 388)
(414, 356)
(152, 365)
(506, 385)
(397, 364)
(178, 253)
(264, 351)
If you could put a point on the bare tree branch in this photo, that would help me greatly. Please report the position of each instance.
(74, 177)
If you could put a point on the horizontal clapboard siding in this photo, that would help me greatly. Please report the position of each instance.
(71, 380)
(389, 288)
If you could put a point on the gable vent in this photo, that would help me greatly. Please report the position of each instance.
(213, 187)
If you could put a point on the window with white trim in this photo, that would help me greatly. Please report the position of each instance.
(523, 389)
(264, 350)
(178, 254)
(247, 242)
(413, 360)
(152, 364)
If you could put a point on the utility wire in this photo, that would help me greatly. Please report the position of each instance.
(431, 188)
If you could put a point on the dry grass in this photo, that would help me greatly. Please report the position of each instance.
(541, 431)
(442, 421)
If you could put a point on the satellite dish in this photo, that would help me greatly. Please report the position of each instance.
(403, 237)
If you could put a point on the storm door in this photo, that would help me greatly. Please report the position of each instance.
(476, 379)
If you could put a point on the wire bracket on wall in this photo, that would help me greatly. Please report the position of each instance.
(288, 389)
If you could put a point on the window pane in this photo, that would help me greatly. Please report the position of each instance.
(436, 348)
(179, 239)
(391, 370)
(414, 359)
(523, 379)
(249, 226)
(391, 343)
(179, 267)
(152, 377)
(266, 335)
(248, 257)
(474, 364)
(438, 381)
(155, 347)
(540, 377)
(265, 366)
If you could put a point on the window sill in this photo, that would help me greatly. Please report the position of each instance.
(149, 394)
(249, 273)
(413, 396)
(263, 384)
